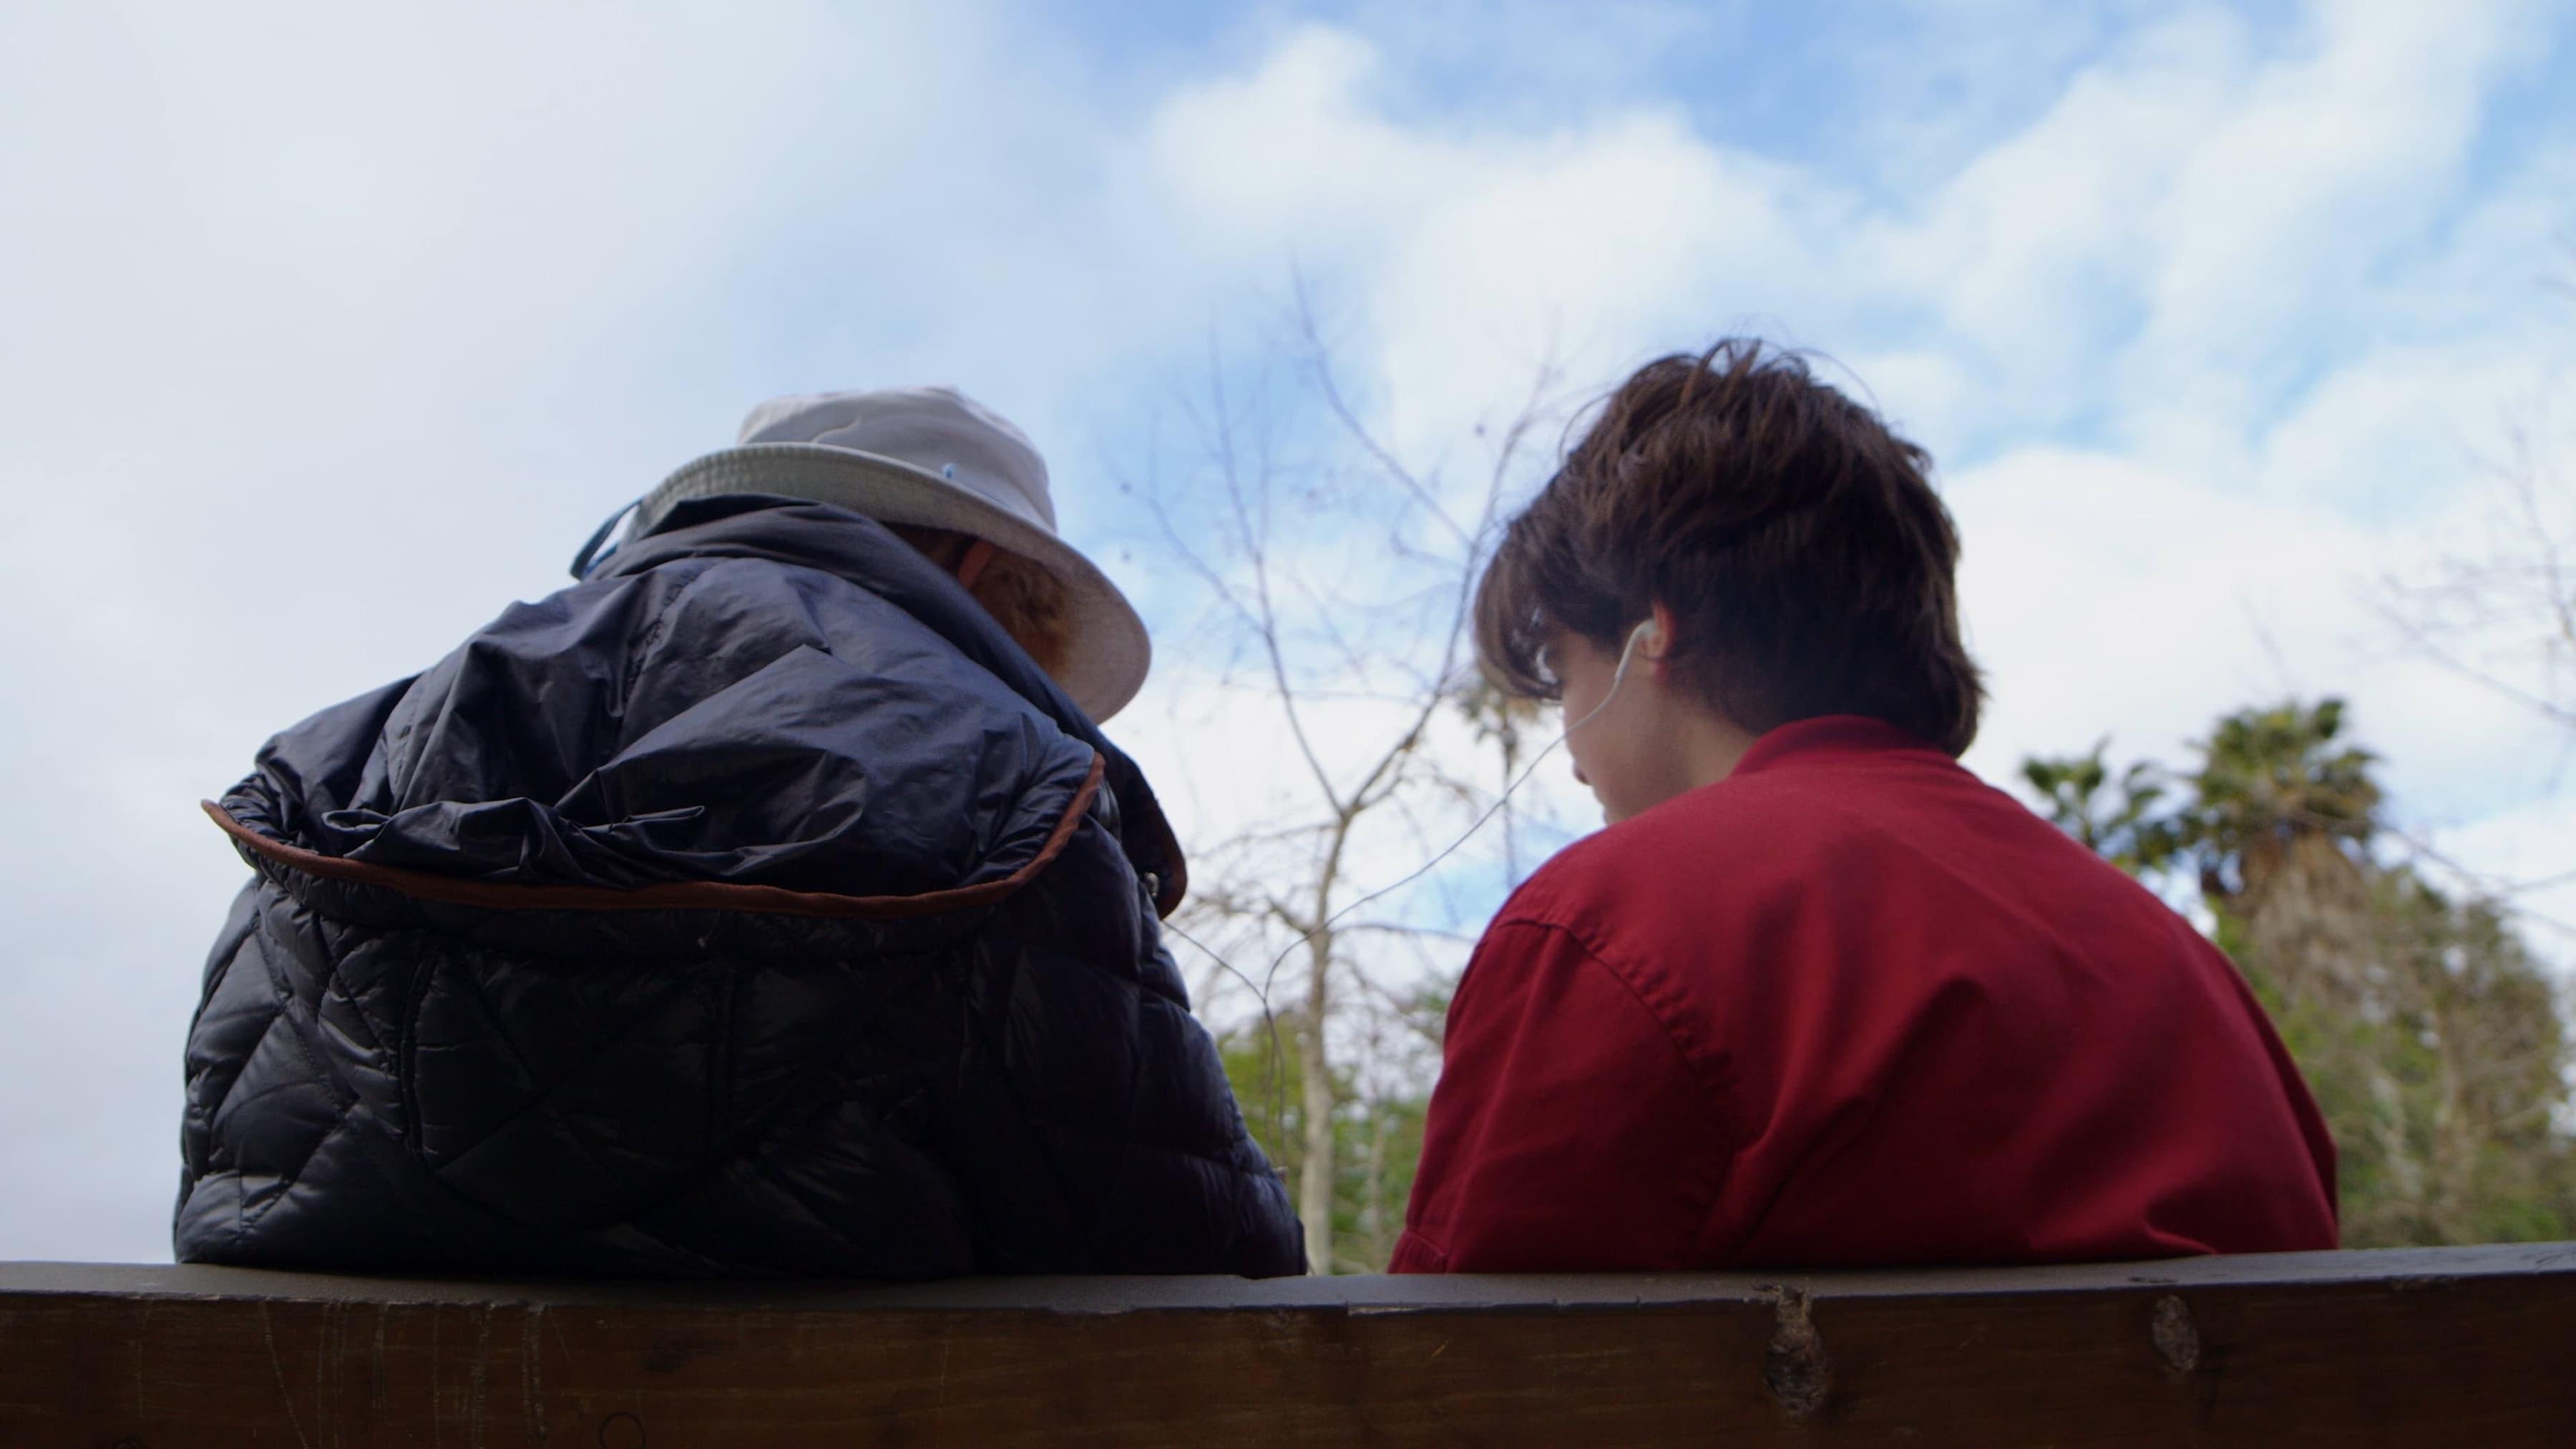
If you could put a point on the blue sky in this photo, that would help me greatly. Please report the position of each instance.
(326, 331)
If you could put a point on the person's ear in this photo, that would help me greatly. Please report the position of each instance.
(1658, 637)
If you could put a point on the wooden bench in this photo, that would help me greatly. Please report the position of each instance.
(2471, 1347)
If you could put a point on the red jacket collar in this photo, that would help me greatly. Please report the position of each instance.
(1828, 735)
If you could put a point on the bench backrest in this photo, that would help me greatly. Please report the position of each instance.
(2469, 1346)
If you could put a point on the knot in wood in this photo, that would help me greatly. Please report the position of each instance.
(1794, 1367)
(2176, 1338)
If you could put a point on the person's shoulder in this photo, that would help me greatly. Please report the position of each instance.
(1750, 845)
(1711, 833)
(1566, 880)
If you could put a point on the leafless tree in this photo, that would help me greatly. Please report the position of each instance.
(2501, 615)
(1339, 576)
(2493, 613)
(2505, 616)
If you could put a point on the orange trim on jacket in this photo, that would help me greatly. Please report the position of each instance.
(674, 896)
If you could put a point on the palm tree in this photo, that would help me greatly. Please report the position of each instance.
(2283, 815)
(2422, 1024)
(2128, 830)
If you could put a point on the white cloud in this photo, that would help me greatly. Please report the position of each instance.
(2329, 164)
(2109, 597)
(2531, 850)
(2106, 597)
(1290, 150)
(2030, 254)
(1479, 255)
(2333, 156)
(2398, 431)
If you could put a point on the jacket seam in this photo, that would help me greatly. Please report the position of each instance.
(1702, 1189)
(407, 1051)
(1438, 1251)
(316, 1071)
(1663, 1022)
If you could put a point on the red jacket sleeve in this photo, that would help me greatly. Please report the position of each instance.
(1567, 1132)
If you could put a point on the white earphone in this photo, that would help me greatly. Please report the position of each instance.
(1646, 633)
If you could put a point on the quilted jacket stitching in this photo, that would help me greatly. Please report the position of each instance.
(285, 1000)
(543, 1097)
(250, 1216)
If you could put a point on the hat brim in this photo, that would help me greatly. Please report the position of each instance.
(1107, 653)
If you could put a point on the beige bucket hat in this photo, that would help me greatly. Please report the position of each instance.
(933, 458)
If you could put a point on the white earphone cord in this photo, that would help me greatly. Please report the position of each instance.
(1261, 991)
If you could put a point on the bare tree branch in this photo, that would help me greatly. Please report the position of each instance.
(1378, 617)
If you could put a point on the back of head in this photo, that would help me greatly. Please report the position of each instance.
(1026, 600)
(1806, 560)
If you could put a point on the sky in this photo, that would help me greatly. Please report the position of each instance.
(326, 331)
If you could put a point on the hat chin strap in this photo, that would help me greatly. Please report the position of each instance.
(971, 567)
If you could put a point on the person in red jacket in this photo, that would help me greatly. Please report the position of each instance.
(1816, 996)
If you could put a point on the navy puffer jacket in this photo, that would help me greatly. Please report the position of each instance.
(754, 907)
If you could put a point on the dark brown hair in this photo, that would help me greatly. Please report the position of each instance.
(1807, 562)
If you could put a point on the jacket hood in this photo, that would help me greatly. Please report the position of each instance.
(763, 694)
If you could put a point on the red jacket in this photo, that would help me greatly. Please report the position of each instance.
(1850, 1005)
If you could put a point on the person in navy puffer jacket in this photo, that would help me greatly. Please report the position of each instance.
(765, 904)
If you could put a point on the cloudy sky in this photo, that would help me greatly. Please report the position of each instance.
(326, 332)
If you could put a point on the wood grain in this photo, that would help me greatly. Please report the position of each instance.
(2458, 1346)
